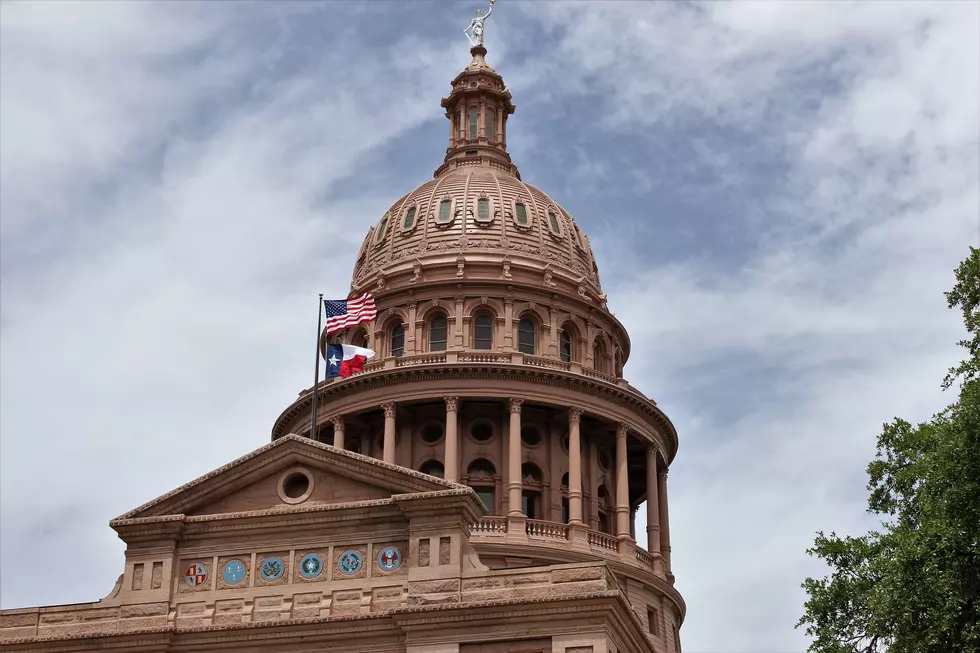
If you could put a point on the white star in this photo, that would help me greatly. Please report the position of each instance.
(333, 360)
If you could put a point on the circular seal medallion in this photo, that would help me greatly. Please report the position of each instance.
(234, 572)
(310, 566)
(196, 575)
(349, 562)
(389, 559)
(272, 569)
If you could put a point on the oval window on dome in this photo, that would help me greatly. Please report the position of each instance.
(382, 230)
(483, 209)
(445, 215)
(409, 221)
(553, 225)
(521, 215)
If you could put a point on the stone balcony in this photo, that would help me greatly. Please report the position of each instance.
(549, 539)
(489, 359)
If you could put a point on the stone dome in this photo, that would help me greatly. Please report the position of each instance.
(479, 211)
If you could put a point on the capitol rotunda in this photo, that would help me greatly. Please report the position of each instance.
(474, 489)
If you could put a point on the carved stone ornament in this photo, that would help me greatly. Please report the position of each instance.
(389, 409)
(583, 294)
(416, 271)
(483, 299)
(574, 415)
(451, 403)
(622, 429)
(435, 302)
(532, 305)
(515, 404)
(506, 262)
(338, 423)
(460, 266)
(548, 282)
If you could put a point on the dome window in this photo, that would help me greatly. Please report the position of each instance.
(438, 333)
(521, 216)
(408, 223)
(474, 118)
(578, 237)
(398, 340)
(553, 225)
(483, 331)
(491, 126)
(483, 209)
(565, 346)
(445, 216)
(382, 230)
(526, 336)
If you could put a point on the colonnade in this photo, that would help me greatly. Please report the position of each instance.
(658, 529)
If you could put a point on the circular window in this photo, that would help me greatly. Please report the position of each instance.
(481, 431)
(432, 433)
(604, 460)
(295, 485)
(530, 436)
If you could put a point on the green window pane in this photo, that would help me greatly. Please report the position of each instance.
(483, 209)
(553, 222)
(521, 214)
(381, 229)
(474, 114)
(409, 218)
(491, 124)
(445, 210)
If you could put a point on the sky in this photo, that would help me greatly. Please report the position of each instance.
(777, 193)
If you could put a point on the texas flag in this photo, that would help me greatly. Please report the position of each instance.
(344, 360)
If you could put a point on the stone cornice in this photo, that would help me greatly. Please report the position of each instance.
(503, 372)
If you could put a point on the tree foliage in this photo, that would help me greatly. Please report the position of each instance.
(913, 586)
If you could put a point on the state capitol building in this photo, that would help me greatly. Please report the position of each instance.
(473, 489)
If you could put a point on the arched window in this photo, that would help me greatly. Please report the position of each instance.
(565, 346)
(382, 230)
(491, 125)
(359, 338)
(481, 467)
(532, 480)
(433, 468)
(564, 498)
(474, 116)
(526, 336)
(483, 330)
(438, 333)
(397, 340)
(605, 509)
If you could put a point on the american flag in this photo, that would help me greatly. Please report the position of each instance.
(345, 313)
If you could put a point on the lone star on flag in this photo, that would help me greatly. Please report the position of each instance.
(333, 361)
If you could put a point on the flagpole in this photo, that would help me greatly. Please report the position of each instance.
(316, 366)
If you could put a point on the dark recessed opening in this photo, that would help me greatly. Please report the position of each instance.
(432, 434)
(471, 152)
(530, 436)
(481, 432)
(295, 485)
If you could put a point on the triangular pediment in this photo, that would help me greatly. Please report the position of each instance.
(290, 472)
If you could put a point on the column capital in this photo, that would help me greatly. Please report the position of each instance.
(663, 471)
(621, 429)
(338, 422)
(389, 408)
(452, 403)
(574, 415)
(652, 451)
(515, 404)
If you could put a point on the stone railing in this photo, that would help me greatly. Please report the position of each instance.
(548, 529)
(423, 359)
(596, 374)
(603, 541)
(490, 525)
(483, 358)
(645, 558)
(548, 363)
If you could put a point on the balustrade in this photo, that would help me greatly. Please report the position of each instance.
(541, 528)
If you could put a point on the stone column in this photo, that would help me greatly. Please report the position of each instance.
(389, 447)
(452, 441)
(509, 324)
(653, 502)
(514, 485)
(664, 520)
(574, 467)
(622, 485)
(553, 345)
(338, 432)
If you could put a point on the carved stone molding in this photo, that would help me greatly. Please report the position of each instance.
(452, 403)
(338, 422)
(389, 409)
(574, 415)
(515, 404)
(621, 430)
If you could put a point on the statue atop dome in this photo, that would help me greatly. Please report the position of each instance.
(474, 31)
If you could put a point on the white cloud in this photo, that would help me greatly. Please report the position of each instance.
(168, 177)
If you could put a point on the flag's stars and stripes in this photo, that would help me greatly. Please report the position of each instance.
(345, 313)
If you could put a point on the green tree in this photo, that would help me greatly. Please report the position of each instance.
(914, 585)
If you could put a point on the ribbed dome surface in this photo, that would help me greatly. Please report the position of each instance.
(477, 208)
